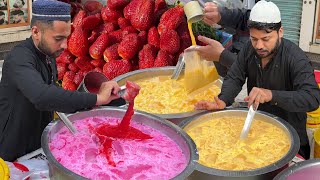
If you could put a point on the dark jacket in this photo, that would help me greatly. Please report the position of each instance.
(290, 77)
(28, 97)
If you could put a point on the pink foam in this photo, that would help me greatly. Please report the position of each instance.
(156, 158)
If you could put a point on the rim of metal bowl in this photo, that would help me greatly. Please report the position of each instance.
(194, 156)
(296, 167)
(294, 148)
(165, 116)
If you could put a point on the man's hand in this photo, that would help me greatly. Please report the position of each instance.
(258, 96)
(211, 52)
(211, 13)
(206, 105)
(108, 92)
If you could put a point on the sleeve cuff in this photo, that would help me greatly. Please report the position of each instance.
(227, 58)
(274, 100)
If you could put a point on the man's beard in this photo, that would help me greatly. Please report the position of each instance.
(43, 47)
(272, 52)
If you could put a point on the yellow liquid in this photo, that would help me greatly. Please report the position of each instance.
(198, 72)
(162, 95)
(219, 145)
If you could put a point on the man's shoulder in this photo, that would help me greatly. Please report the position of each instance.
(292, 50)
(21, 51)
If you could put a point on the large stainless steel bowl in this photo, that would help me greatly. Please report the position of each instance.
(309, 169)
(58, 171)
(176, 118)
(267, 172)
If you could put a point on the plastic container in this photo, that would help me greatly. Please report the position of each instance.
(317, 143)
(226, 39)
(4, 170)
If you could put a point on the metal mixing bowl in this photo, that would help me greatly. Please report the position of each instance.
(58, 171)
(176, 118)
(267, 172)
(309, 169)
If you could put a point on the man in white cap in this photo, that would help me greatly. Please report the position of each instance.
(28, 90)
(280, 75)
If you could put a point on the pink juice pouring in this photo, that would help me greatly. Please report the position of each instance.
(157, 157)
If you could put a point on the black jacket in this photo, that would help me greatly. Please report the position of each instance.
(290, 77)
(28, 97)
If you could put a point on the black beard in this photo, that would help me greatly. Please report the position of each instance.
(43, 48)
(274, 50)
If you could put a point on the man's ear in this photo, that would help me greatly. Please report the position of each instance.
(36, 32)
(281, 32)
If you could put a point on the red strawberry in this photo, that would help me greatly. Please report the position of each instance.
(123, 22)
(105, 28)
(97, 62)
(111, 53)
(97, 48)
(84, 63)
(128, 47)
(78, 43)
(143, 18)
(118, 4)
(94, 35)
(169, 41)
(115, 36)
(69, 76)
(131, 8)
(62, 69)
(116, 68)
(109, 15)
(92, 21)
(91, 6)
(73, 67)
(79, 5)
(65, 57)
(160, 4)
(183, 32)
(143, 37)
(78, 19)
(78, 78)
(158, 14)
(171, 19)
(147, 56)
(97, 69)
(127, 30)
(69, 85)
(163, 59)
(153, 37)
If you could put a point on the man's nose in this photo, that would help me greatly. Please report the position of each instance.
(64, 44)
(259, 45)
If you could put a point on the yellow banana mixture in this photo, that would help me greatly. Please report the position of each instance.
(219, 145)
(162, 95)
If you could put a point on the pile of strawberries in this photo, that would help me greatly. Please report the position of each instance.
(123, 36)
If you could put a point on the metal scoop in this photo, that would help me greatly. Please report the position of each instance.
(247, 123)
(67, 122)
(177, 71)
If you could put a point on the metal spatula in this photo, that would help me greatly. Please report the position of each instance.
(177, 71)
(247, 123)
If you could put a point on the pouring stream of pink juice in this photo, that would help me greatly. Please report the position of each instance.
(106, 132)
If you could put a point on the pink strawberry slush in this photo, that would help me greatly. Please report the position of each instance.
(156, 158)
